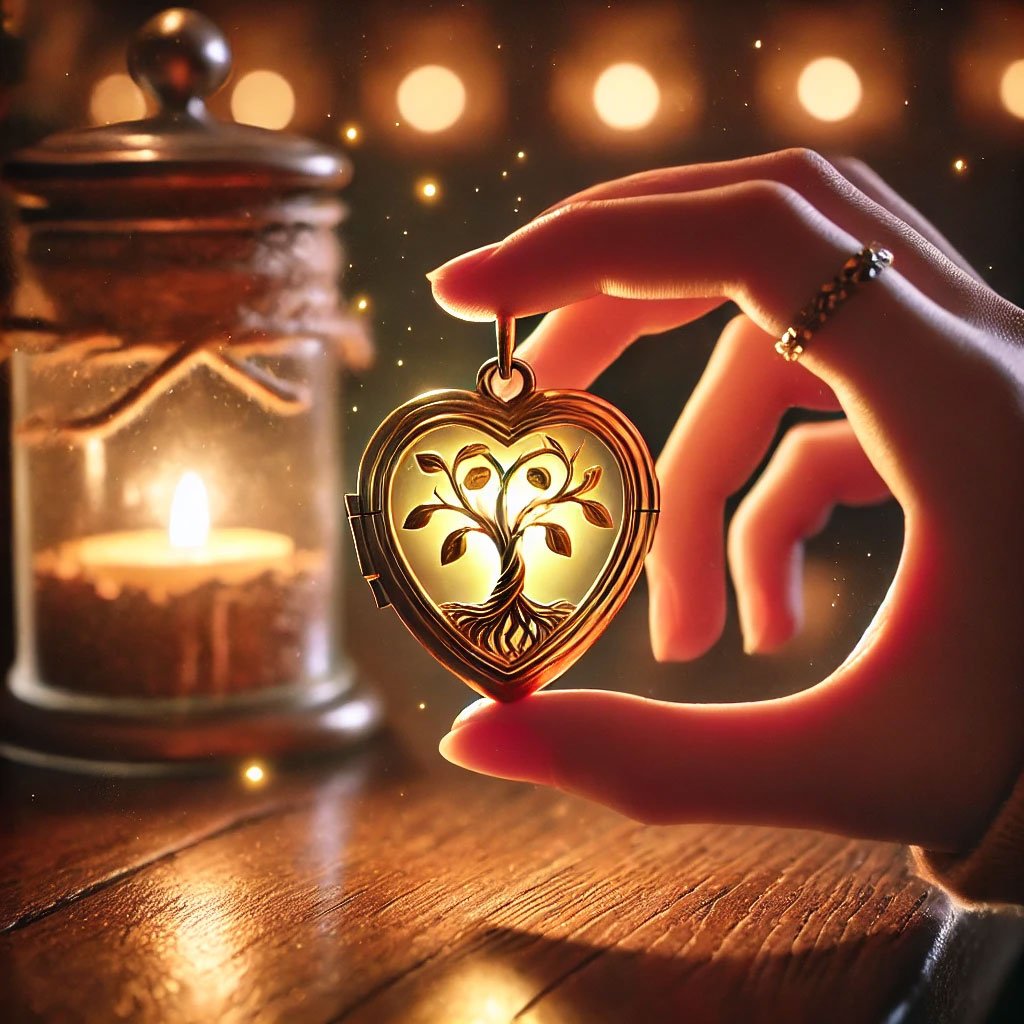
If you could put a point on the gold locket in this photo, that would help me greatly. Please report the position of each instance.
(506, 525)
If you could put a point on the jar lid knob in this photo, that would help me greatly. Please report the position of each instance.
(181, 57)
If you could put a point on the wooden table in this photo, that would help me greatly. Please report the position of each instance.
(388, 886)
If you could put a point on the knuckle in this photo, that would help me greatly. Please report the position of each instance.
(800, 444)
(807, 164)
(774, 206)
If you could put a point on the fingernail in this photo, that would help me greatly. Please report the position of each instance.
(468, 712)
(464, 262)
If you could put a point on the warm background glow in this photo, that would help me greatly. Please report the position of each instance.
(1011, 88)
(829, 89)
(626, 97)
(431, 98)
(116, 98)
(263, 98)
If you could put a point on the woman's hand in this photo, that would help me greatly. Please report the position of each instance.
(918, 735)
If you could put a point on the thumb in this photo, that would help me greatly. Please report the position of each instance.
(664, 762)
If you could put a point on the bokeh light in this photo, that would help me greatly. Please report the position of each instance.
(959, 165)
(829, 89)
(431, 98)
(428, 190)
(352, 133)
(254, 773)
(116, 98)
(1011, 88)
(264, 99)
(626, 96)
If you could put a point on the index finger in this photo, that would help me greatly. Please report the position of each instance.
(759, 243)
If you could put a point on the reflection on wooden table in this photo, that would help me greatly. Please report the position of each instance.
(389, 886)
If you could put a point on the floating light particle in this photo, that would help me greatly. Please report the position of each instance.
(400, 362)
(254, 773)
(959, 165)
(504, 174)
(422, 706)
(428, 190)
(521, 155)
(355, 408)
(352, 133)
(757, 44)
(362, 303)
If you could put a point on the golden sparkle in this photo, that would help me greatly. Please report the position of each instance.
(428, 190)
(959, 165)
(254, 773)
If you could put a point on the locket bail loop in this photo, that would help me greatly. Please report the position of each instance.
(492, 368)
(505, 327)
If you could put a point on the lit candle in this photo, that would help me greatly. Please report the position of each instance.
(184, 555)
(187, 609)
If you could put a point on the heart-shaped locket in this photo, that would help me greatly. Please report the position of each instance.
(505, 531)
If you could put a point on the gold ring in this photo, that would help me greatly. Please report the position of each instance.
(865, 265)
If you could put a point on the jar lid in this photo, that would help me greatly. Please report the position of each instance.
(180, 57)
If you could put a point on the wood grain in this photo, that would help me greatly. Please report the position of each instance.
(390, 887)
(384, 890)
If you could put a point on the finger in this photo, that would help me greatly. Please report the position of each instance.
(875, 188)
(764, 246)
(834, 195)
(696, 245)
(816, 467)
(572, 346)
(717, 443)
(798, 761)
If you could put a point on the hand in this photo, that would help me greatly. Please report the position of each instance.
(917, 736)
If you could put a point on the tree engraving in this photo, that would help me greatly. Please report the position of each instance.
(509, 623)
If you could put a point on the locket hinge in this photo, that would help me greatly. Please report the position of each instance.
(357, 521)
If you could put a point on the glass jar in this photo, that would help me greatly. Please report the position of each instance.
(177, 339)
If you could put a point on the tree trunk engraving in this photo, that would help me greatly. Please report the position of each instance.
(509, 624)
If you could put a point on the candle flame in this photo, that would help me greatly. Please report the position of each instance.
(189, 525)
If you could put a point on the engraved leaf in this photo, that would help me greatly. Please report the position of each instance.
(539, 477)
(430, 462)
(557, 539)
(594, 512)
(470, 451)
(454, 545)
(419, 517)
(553, 443)
(591, 478)
(476, 478)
